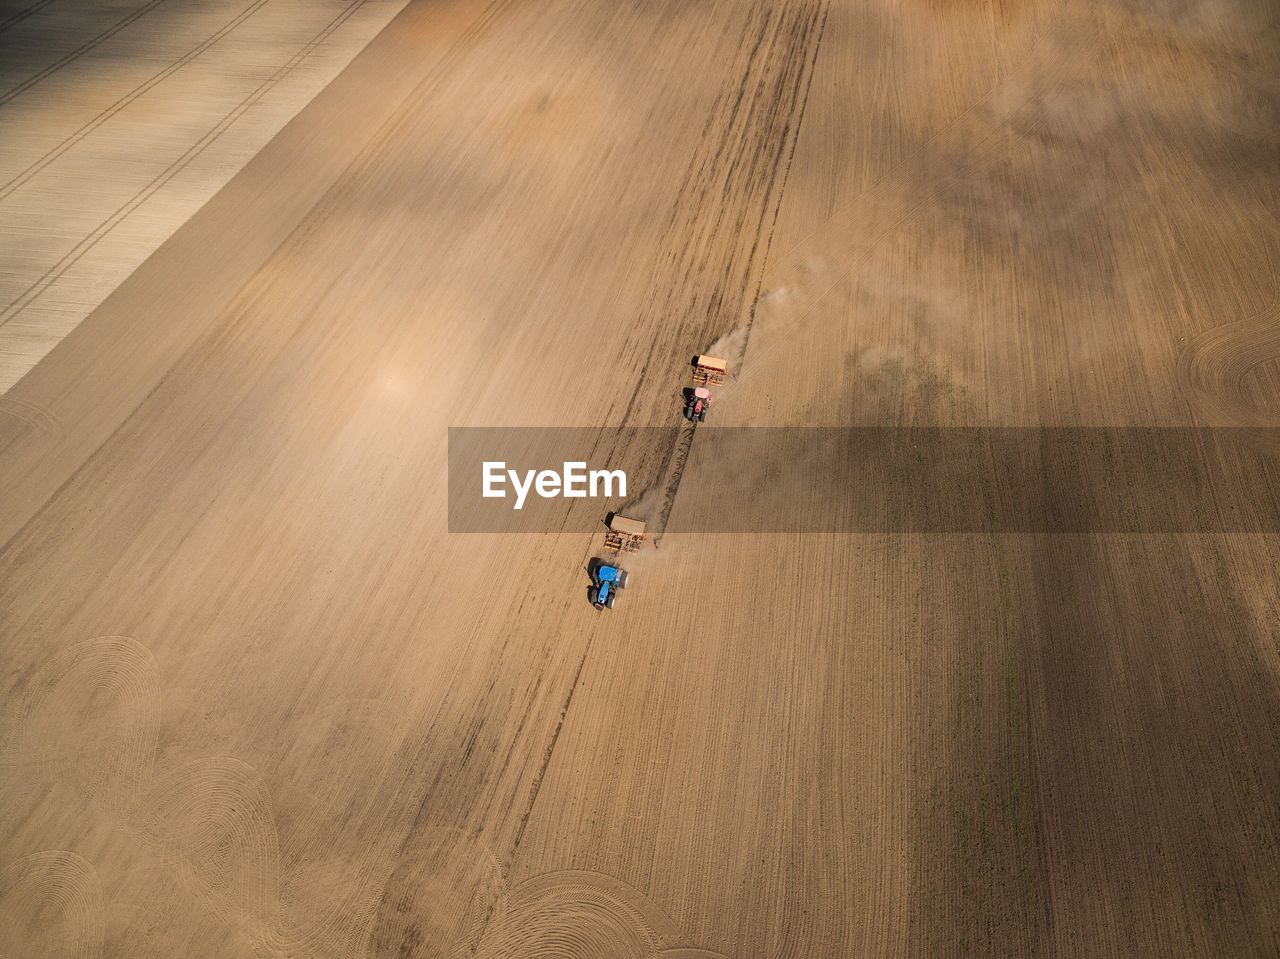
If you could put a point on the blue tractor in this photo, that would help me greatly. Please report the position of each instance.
(606, 580)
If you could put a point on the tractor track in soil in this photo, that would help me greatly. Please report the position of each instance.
(260, 698)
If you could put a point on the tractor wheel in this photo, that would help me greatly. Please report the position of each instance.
(622, 579)
(608, 603)
(702, 416)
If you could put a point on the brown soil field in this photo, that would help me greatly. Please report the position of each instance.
(258, 700)
(121, 119)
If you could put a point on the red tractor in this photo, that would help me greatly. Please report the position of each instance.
(696, 403)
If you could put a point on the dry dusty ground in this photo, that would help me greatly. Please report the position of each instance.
(258, 700)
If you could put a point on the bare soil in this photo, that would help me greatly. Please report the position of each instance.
(258, 701)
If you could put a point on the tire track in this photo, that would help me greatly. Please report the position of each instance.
(714, 246)
(332, 765)
(714, 243)
(79, 51)
(549, 750)
(50, 276)
(92, 718)
(153, 81)
(449, 898)
(1214, 368)
(42, 422)
(168, 804)
(345, 185)
(51, 905)
(445, 888)
(673, 473)
(23, 14)
(214, 818)
(577, 914)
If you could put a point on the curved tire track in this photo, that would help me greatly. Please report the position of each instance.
(51, 905)
(577, 914)
(1213, 369)
(449, 898)
(214, 817)
(38, 419)
(92, 718)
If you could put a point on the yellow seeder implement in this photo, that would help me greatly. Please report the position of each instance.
(625, 535)
(709, 370)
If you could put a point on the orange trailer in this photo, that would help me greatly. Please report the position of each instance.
(625, 535)
(709, 370)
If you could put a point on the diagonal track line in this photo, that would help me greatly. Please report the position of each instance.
(128, 98)
(50, 276)
(79, 51)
